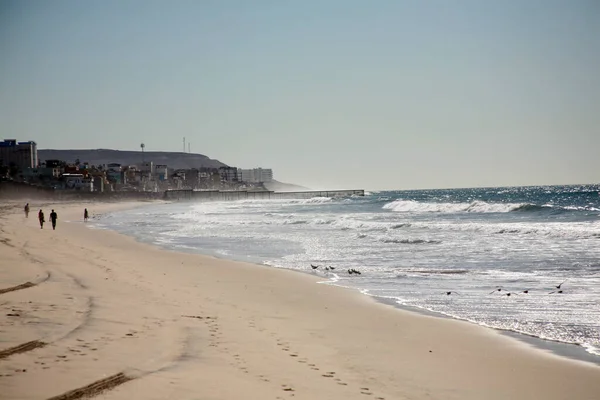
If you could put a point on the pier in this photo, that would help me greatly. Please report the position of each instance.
(231, 195)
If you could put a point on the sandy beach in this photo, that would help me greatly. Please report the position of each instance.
(92, 312)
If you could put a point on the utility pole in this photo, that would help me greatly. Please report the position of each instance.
(184, 144)
(142, 146)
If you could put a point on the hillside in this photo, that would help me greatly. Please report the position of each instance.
(105, 156)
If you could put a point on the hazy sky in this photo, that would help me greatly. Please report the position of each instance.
(329, 93)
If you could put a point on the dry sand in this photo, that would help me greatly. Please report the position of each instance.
(106, 315)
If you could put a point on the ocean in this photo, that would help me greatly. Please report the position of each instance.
(413, 247)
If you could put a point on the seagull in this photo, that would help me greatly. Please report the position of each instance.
(449, 293)
(497, 290)
(525, 291)
(509, 293)
(556, 291)
(314, 266)
(332, 268)
(558, 287)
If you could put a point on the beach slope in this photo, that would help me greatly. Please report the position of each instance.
(89, 312)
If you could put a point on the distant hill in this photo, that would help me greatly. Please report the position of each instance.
(174, 160)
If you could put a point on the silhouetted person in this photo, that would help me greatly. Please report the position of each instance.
(26, 210)
(53, 218)
(85, 215)
(41, 218)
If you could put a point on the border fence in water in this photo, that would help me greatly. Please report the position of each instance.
(225, 195)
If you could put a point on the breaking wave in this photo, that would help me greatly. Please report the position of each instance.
(410, 241)
(410, 206)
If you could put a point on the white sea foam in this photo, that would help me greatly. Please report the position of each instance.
(410, 206)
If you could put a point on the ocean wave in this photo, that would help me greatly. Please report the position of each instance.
(411, 206)
(435, 271)
(295, 222)
(529, 207)
(312, 200)
(409, 241)
(402, 225)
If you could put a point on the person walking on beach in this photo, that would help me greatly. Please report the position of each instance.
(26, 210)
(41, 218)
(85, 215)
(53, 218)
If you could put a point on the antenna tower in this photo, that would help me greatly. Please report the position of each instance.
(142, 147)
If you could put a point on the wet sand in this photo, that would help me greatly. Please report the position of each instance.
(93, 312)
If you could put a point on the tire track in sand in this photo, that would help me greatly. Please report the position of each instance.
(25, 285)
(94, 388)
(34, 344)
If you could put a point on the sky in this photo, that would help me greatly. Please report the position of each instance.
(336, 94)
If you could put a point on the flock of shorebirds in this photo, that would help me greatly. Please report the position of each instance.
(505, 293)
(448, 293)
(330, 268)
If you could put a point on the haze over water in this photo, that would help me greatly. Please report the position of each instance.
(414, 246)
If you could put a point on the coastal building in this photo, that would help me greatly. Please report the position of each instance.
(131, 175)
(53, 163)
(161, 172)
(228, 174)
(78, 182)
(18, 154)
(41, 173)
(255, 175)
(147, 168)
(114, 173)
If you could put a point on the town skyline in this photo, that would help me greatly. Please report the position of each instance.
(335, 94)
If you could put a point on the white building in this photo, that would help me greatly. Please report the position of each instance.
(255, 175)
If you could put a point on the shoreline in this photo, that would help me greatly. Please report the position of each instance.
(570, 351)
(179, 325)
